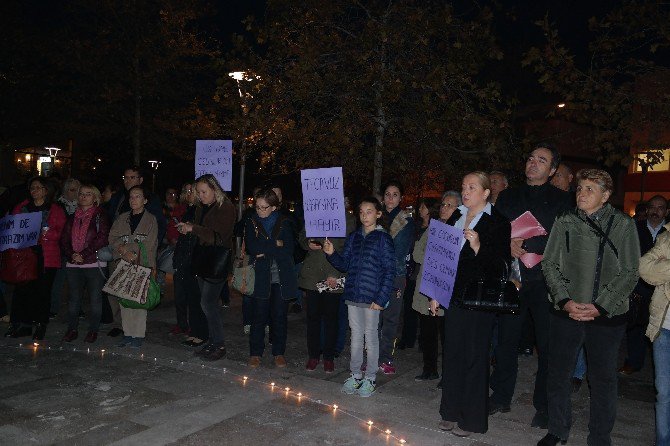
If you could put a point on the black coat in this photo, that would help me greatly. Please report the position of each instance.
(545, 202)
(494, 251)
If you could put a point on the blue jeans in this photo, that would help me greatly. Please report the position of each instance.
(661, 348)
(77, 279)
(364, 323)
(580, 367)
(209, 301)
(269, 311)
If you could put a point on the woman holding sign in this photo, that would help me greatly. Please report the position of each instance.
(31, 301)
(485, 249)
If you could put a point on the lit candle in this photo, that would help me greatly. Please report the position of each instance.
(388, 431)
(370, 423)
(402, 441)
(334, 406)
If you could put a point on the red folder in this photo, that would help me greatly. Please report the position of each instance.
(526, 226)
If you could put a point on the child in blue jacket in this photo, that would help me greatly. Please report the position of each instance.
(369, 260)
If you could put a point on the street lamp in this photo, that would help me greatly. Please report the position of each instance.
(241, 76)
(154, 168)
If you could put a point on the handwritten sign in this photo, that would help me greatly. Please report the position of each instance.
(440, 262)
(20, 230)
(323, 202)
(215, 156)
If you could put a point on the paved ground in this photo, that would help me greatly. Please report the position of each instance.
(161, 394)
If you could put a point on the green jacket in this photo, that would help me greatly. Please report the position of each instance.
(316, 267)
(571, 257)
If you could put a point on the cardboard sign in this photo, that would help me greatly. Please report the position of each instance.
(323, 202)
(215, 156)
(440, 262)
(20, 230)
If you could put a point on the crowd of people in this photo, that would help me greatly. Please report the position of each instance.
(599, 276)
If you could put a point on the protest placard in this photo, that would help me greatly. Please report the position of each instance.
(323, 202)
(440, 262)
(215, 156)
(20, 230)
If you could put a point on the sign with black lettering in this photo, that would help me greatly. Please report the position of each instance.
(323, 202)
(215, 156)
(440, 262)
(20, 230)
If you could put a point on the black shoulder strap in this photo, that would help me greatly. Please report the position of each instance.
(277, 229)
(601, 249)
(605, 239)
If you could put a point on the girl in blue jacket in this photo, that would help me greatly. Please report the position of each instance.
(369, 260)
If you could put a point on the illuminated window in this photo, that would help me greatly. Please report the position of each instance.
(664, 165)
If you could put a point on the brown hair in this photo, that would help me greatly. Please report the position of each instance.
(598, 176)
(269, 196)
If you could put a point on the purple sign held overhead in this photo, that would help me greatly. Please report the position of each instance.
(20, 230)
(215, 156)
(440, 262)
(323, 202)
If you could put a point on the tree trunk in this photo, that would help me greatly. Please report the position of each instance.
(379, 146)
(137, 96)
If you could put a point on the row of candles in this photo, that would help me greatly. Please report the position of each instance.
(243, 378)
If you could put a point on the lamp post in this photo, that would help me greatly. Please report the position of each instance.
(154, 168)
(241, 76)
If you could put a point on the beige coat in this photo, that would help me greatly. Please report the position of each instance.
(121, 228)
(655, 270)
(421, 302)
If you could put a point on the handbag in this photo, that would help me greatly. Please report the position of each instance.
(164, 262)
(497, 295)
(18, 265)
(210, 261)
(133, 285)
(244, 276)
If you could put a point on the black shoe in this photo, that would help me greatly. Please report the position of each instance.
(216, 354)
(52, 315)
(296, 308)
(40, 331)
(401, 345)
(494, 408)
(206, 350)
(541, 420)
(115, 332)
(11, 331)
(337, 354)
(576, 385)
(551, 440)
(425, 376)
(525, 351)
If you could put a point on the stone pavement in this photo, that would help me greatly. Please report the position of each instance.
(162, 394)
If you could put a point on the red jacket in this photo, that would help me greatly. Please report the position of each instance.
(174, 216)
(49, 240)
(96, 237)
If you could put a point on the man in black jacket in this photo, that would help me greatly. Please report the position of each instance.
(545, 202)
(636, 343)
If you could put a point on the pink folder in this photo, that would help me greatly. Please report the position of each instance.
(526, 226)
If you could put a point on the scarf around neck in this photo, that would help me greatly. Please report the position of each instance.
(268, 222)
(82, 220)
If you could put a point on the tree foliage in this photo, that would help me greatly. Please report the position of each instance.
(399, 84)
(619, 92)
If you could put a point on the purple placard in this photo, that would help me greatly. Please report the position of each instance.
(323, 202)
(215, 156)
(20, 230)
(440, 262)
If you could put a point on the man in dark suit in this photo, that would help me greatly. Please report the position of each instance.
(545, 202)
(636, 343)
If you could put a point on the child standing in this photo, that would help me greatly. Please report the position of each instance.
(369, 259)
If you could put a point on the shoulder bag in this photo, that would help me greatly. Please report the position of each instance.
(211, 261)
(133, 285)
(498, 295)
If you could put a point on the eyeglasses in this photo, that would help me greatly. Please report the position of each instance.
(446, 205)
(262, 208)
(131, 177)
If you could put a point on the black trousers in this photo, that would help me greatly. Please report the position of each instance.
(602, 348)
(187, 291)
(465, 384)
(503, 380)
(322, 311)
(410, 318)
(432, 329)
(31, 301)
